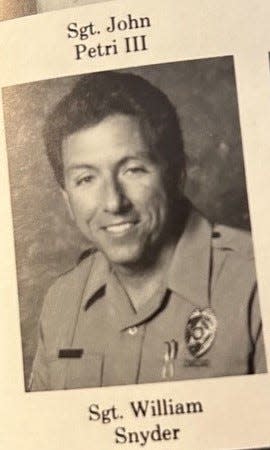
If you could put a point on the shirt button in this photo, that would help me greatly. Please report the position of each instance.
(132, 330)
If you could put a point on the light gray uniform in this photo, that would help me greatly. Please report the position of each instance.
(203, 322)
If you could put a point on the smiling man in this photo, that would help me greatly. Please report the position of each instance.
(161, 294)
(117, 192)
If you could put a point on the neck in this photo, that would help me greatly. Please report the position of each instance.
(142, 282)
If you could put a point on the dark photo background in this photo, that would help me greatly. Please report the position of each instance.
(46, 241)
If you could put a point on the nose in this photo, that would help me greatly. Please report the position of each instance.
(115, 200)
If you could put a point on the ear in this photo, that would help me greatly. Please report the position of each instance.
(67, 202)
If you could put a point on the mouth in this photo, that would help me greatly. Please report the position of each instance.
(120, 227)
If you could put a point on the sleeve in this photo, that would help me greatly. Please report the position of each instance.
(39, 379)
(256, 329)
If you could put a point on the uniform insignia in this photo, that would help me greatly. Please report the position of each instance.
(70, 353)
(200, 331)
(169, 357)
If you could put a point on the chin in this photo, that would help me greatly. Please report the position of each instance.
(126, 257)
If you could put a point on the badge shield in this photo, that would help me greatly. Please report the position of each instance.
(200, 331)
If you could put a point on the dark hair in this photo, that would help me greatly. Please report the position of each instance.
(99, 95)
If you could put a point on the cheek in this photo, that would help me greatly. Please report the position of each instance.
(148, 197)
(158, 209)
(83, 206)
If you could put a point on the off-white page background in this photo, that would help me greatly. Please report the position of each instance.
(236, 409)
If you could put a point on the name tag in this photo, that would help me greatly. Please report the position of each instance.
(70, 353)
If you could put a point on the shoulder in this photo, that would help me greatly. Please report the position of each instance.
(62, 291)
(233, 240)
(233, 258)
(222, 238)
(76, 273)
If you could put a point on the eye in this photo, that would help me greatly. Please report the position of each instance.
(135, 170)
(87, 179)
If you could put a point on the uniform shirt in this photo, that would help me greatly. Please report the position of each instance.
(203, 322)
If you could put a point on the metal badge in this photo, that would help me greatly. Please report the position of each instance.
(200, 331)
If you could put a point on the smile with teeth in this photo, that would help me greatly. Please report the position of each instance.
(119, 228)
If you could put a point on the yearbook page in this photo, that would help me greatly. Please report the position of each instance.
(135, 163)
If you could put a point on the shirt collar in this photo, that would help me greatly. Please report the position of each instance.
(97, 278)
(102, 281)
(189, 271)
(127, 316)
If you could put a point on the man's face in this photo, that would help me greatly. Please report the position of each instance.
(116, 190)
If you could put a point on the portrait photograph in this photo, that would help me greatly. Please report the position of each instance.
(132, 232)
(12, 9)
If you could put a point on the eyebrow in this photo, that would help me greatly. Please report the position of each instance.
(73, 167)
(126, 159)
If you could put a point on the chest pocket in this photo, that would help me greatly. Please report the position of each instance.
(73, 371)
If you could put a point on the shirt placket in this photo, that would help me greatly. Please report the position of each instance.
(123, 359)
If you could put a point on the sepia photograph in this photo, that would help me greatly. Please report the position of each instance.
(133, 240)
(11, 9)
